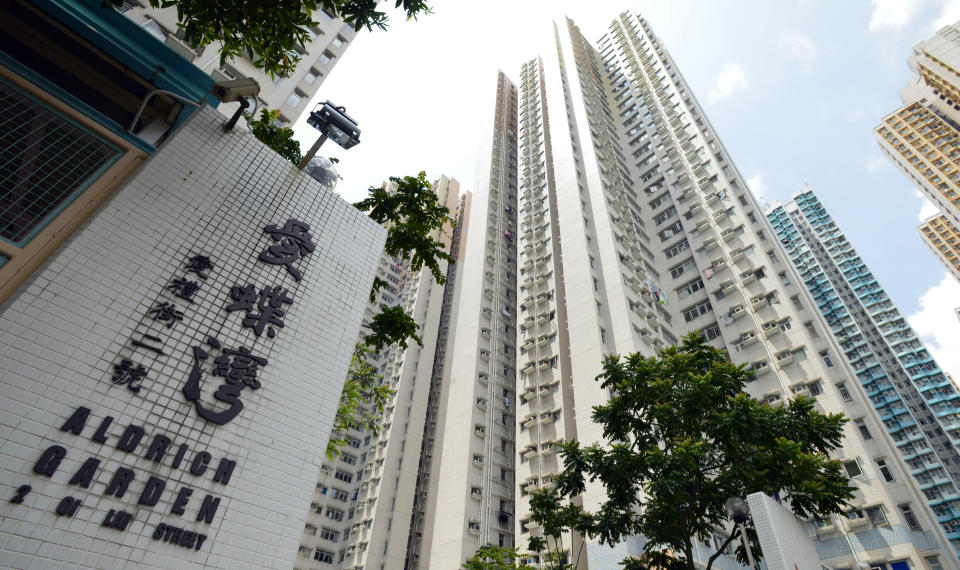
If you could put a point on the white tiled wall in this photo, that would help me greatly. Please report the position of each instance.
(203, 193)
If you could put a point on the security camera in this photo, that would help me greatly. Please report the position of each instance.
(235, 89)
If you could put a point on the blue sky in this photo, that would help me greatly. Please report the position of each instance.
(792, 88)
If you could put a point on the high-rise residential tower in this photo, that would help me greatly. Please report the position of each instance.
(635, 229)
(475, 451)
(918, 406)
(922, 138)
(943, 239)
(365, 500)
(289, 94)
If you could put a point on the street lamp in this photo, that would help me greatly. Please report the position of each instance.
(736, 509)
(333, 123)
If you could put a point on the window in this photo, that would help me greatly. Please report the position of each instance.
(876, 516)
(311, 76)
(811, 330)
(852, 468)
(323, 556)
(711, 331)
(862, 426)
(796, 301)
(815, 388)
(885, 470)
(826, 359)
(327, 534)
(338, 41)
(844, 392)
(334, 514)
(325, 57)
(339, 495)
(695, 311)
(933, 561)
(910, 518)
(294, 99)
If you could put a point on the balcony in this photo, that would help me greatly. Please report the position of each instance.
(727, 287)
(748, 277)
(737, 311)
(759, 302)
(785, 357)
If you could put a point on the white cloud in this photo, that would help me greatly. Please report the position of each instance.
(801, 48)
(927, 209)
(757, 186)
(874, 163)
(892, 14)
(937, 325)
(949, 14)
(730, 79)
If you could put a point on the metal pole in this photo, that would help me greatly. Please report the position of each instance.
(313, 150)
(746, 545)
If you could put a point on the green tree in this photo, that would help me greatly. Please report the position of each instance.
(681, 438)
(276, 137)
(269, 32)
(492, 557)
(363, 385)
(413, 215)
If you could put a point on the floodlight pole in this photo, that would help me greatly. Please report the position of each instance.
(313, 151)
(736, 509)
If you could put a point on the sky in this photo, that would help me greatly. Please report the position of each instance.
(793, 89)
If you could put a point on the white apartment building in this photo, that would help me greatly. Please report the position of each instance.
(363, 506)
(916, 402)
(473, 466)
(291, 95)
(635, 228)
(608, 218)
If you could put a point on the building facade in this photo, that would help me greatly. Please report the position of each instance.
(364, 507)
(917, 404)
(289, 94)
(635, 229)
(177, 308)
(473, 466)
(922, 138)
(943, 239)
(171, 370)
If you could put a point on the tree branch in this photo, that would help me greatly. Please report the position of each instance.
(733, 535)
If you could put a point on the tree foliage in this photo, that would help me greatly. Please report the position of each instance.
(363, 385)
(276, 137)
(492, 557)
(269, 32)
(412, 214)
(681, 438)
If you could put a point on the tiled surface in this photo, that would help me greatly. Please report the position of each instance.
(203, 193)
(784, 540)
